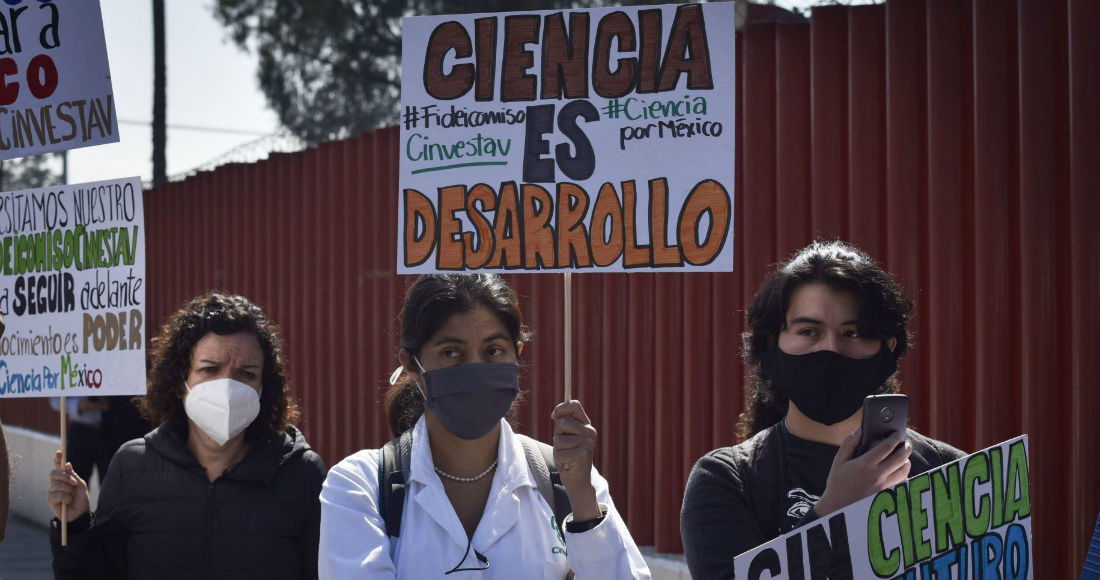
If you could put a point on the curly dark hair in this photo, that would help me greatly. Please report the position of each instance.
(430, 302)
(884, 313)
(222, 314)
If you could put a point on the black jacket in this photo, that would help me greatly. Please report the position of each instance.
(740, 497)
(160, 517)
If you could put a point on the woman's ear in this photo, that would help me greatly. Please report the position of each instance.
(519, 348)
(406, 359)
(184, 387)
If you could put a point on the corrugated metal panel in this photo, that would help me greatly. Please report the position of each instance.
(958, 142)
(1043, 189)
(1084, 277)
(906, 179)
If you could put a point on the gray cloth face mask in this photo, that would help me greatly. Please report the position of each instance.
(470, 399)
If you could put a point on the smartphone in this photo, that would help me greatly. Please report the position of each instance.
(882, 416)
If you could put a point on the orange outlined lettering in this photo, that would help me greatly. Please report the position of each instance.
(419, 216)
(573, 247)
(606, 250)
(526, 227)
(658, 225)
(477, 255)
(707, 197)
(538, 237)
(451, 249)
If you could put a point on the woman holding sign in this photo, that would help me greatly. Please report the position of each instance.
(225, 487)
(825, 330)
(458, 490)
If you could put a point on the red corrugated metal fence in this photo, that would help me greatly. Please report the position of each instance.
(957, 141)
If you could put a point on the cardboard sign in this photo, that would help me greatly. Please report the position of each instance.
(55, 85)
(576, 140)
(72, 287)
(968, 519)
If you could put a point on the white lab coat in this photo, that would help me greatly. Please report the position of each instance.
(515, 533)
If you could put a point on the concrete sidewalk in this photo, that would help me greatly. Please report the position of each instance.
(25, 551)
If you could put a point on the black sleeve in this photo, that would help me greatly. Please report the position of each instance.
(97, 546)
(717, 521)
(311, 535)
(930, 453)
(949, 453)
(83, 556)
(811, 516)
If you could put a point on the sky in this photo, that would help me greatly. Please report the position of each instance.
(211, 83)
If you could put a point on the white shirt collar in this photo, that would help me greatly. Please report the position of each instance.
(512, 471)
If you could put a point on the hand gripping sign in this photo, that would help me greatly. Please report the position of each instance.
(72, 288)
(968, 519)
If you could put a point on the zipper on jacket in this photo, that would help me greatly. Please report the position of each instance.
(208, 544)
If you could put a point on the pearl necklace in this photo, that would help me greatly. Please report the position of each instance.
(467, 479)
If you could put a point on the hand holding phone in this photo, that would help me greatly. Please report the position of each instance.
(851, 479)
(882, 416)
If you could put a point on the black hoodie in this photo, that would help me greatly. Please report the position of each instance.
(160, 517)
(740, 497)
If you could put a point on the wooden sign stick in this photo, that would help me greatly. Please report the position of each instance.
(64, 455)
(568, 335)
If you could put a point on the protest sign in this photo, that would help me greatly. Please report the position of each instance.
(55, 85)
(72, 288)
(577, 140)
(968, 519)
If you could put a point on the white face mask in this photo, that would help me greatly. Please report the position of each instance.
(222, 408)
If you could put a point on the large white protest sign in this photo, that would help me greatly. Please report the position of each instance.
(968, 519)
(576, 140)
(55, 85)
(72, 289)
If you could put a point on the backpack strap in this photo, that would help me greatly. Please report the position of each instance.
(540, 457)
(394, 460)
(395, 457)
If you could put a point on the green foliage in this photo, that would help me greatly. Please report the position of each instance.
(332, 68)
(30, 172)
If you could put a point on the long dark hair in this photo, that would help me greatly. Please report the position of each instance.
(172, 350)
(884, 313)
(430, 302)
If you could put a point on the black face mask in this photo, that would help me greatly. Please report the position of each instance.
(470, 399)
(826, 386)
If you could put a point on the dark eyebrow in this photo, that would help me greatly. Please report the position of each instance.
(448, 340)
(808, 320)
(456, 340)
(221, 363)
